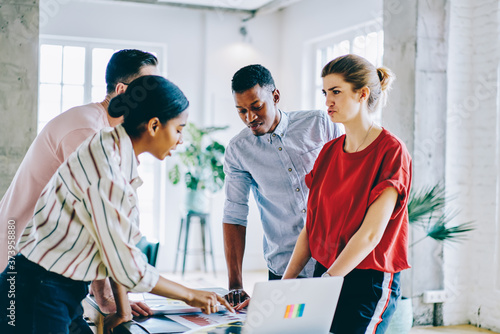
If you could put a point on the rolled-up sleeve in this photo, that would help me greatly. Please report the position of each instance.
(237, 187)
(113, 208)
(395, 172)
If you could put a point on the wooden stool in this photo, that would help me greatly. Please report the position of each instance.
(205, 230)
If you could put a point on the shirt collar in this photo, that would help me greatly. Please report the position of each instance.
(282, 126)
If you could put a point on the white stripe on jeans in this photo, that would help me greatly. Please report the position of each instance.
(381, 305)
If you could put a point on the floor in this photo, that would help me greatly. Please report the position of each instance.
(201, 280)
(463, 329)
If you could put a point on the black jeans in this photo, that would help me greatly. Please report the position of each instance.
(34, 300)
(273, 277)
(367, 301)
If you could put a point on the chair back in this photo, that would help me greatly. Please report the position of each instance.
(150, 249)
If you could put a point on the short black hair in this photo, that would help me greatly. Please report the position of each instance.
(147, 97)
(125, 65)
(251, 75)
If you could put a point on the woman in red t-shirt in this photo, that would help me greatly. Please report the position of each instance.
(357, 217)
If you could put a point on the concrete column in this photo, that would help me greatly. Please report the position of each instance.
(416, 49)
(18, 83)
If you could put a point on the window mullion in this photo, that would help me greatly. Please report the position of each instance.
(87, 85)
(61, 83)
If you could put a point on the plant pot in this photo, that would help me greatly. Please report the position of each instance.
(197, 201)
(402, 319)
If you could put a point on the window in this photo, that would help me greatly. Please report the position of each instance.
(72, 73)
(360, 41)
(62, 78)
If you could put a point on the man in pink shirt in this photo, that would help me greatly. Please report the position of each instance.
(58, 139)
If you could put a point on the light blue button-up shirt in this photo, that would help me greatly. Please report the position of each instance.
(273, 166)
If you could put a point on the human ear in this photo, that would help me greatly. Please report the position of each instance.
(276, 96)
(364, 94)
(120, 88)
(153, 126)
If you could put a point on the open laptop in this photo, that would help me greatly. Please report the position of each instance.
(293, 306)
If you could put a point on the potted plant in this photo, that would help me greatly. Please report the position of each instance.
(200, 166)
(426, 211)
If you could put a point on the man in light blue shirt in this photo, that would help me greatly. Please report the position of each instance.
(270, 157)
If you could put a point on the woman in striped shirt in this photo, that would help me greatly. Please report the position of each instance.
(85, 225)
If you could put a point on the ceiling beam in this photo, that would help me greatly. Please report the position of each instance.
(268, 8)
(192, 6)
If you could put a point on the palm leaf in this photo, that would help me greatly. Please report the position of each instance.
(422, 204)
(211, 129)
(439, 230)
(426, 210)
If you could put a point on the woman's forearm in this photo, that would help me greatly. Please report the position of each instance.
(301, 254)
(364, 241)
(356, 250)
(170, 289)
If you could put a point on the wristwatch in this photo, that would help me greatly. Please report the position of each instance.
(326, 274)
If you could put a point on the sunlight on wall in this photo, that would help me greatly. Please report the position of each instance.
(239, 54)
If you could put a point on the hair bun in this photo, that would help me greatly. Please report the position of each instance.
(117, 106)
(386, 77)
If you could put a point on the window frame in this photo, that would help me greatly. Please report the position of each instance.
(311, 74)
(91, 43)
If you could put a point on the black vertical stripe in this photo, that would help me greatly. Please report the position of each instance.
(68, 188)
(81, 165)
(132, 164)
(72, 246)
(90, 264)
(104, 151)
(53, 230)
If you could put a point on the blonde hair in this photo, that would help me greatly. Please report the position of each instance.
(360, 73)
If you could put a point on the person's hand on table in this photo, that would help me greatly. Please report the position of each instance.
(115, 319)
(108, 306)
(101, 290)
(238, 298)
(140, 309)
(208, 301)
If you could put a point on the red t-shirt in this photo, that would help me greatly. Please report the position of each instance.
(342, 188)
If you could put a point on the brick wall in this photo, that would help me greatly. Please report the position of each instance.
(472, 170)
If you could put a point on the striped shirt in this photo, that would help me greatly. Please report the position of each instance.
(86, 222)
